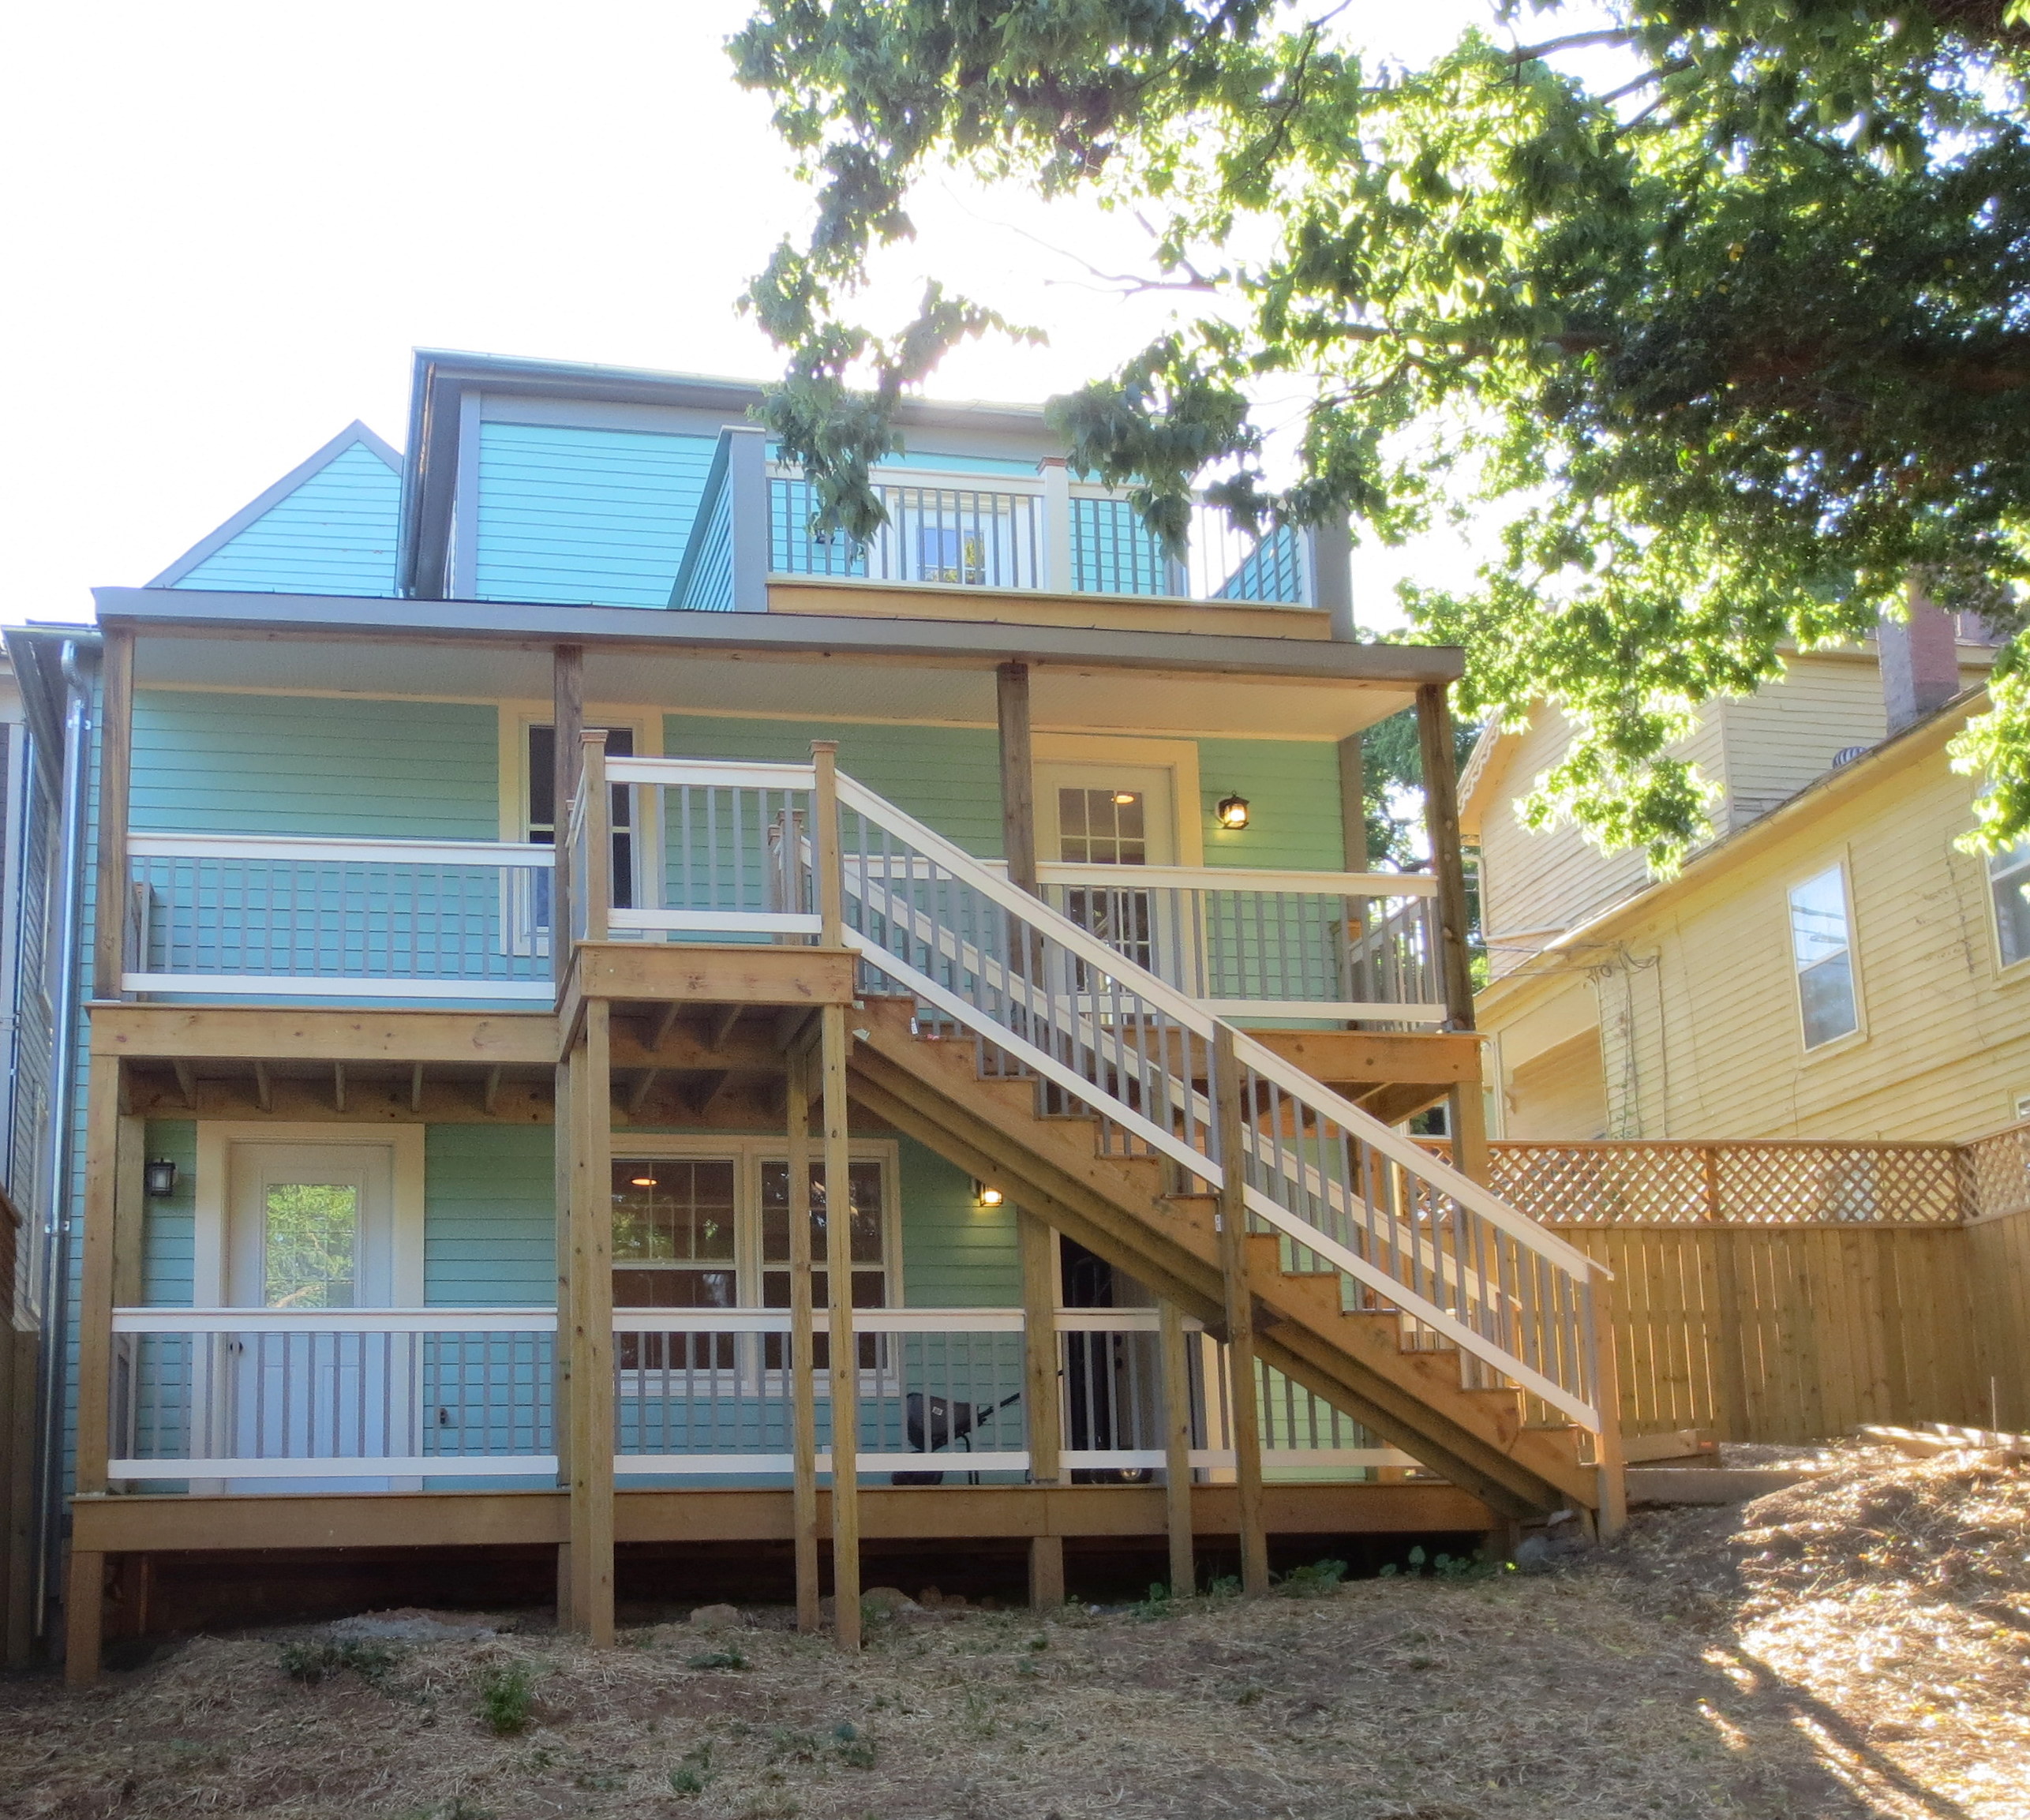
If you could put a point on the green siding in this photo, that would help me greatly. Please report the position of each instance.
(949, 777)
(489, 1234)
(1293, 791)
(316, 765)
(955, 1253)
(169, 1226)
(335, 534)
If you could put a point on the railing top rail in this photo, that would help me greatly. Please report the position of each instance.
(1242, 878)
(1018, 903)
(713, 774)
(166, 845)
(334, 1321)
(1627, 1146)
(936, 480)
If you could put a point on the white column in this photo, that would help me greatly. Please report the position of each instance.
(1056, 573)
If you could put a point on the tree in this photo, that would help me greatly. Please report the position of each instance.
(1734, 353)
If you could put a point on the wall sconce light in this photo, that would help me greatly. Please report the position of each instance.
(159, 1179)
(986, 1195)
(1233, 812)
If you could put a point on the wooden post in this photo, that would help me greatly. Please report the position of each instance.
(563, 1124)
(1039, 1394)
(1441, 829)
(1177, 1452)
(116, 755)
(1244, 1416)
(96, 1275)
(825, 845)
(591, 1411)
(598, 834)
(129, 1212)
(1353, 804)
(802, 1349)
(84, 1616)
(1018, 775)
(844, 1352)
(1612, 1514)
(567, 722)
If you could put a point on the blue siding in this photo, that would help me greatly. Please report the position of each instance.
(585, 515)
(490, 1237)
(335, 534)
(955, 1253)
(315, 764)
(168, 1226)
(947, 776)
(1293, 791)
(1113, 551)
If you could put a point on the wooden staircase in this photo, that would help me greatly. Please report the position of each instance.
(934, 1087)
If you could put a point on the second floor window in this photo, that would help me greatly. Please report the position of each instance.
(2008, 881)
(542, 807)
(1821, 947)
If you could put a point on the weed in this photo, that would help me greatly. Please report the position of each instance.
(605, 1781)
(1223, 1586)
(1248, 1696)
(1158, 1604)
(319, 1661)
(1038, 1643)
(505, 1697)
(726, 1658)
(691, 1775)
(457, 1808)
(852, 1746)
(1321, 1580)
(792, 1747)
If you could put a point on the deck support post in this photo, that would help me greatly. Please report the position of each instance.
(1466, 1104)
(1244, 1419)
(563, 1124)
(802, 1349)
(1038, 1246)
(1018, 775)
(590, 1412)
(842, 1350)
(566, 725)
(1177, 1452)
(1613, 1505)
(116, 752)
(84, 1616)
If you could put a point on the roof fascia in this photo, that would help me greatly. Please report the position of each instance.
(441, 379)
(1822, 796)
(1394, 666)
(355, 433)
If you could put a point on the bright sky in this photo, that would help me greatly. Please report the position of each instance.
(227, 224)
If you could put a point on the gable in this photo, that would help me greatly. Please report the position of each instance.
(329, 527)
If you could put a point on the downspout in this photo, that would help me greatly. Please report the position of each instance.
(53, 1375)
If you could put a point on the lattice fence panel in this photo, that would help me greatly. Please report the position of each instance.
(1998, 1172)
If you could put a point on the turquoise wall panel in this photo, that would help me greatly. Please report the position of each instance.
(949, 777)
(585, 515)
(168, 1227)
(315, 764)
(489, 1239)
(1293, 791)
(955, 1253)
(335, 534)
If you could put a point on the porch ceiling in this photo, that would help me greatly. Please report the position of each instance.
(1069, 694)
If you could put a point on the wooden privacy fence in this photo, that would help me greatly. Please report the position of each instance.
(1788, 1291)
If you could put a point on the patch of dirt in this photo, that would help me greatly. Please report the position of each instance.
(1857, 1645)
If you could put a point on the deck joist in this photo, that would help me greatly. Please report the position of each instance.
(117, 1524)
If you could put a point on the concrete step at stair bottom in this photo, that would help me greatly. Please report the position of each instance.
(1119, 1208)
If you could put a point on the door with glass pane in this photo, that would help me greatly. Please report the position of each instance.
(312, 1228)
(1115, 816)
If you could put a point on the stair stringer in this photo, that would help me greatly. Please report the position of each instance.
(932, 1089)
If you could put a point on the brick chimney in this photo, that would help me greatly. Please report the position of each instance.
(1920, 668)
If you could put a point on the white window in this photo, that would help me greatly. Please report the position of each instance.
(2009, 884)
(1822, 945)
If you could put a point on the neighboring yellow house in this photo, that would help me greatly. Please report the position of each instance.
(1829, 965)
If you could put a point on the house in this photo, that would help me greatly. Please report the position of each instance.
(533, 876)
(1831, 965)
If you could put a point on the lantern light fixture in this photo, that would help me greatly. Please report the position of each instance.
(1233, 812)
(158, 1178)
(988, 1195)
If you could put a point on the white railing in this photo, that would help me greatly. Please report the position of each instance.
(284, 916)
(1055, 1002)
(350, 1393)
(715, 846)
(1267, 943)
(1015, 532)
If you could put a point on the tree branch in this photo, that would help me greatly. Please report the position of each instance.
(1530, 53)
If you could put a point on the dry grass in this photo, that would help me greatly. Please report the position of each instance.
(1854, 1647)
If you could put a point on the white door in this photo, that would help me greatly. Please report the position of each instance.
(1116, 815)
(312, 1225)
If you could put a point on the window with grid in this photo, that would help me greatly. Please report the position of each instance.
(675, 1245)
(868, 1243)
(1107, 827)
(1821, 947)
(542, 812)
